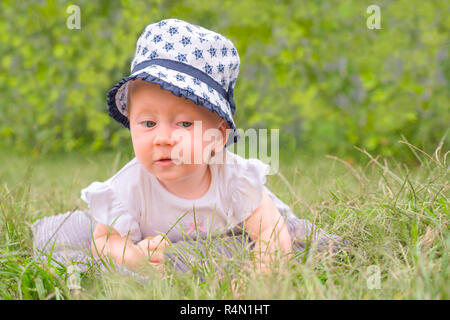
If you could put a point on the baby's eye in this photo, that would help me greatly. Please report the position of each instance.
(185, 124)
(148, 124)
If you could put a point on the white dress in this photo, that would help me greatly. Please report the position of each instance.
(135, 203)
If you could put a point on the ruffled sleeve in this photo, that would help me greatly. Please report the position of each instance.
(106, 208)
(247, 179)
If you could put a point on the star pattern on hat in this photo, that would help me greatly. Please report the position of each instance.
(181, 57)
(208, 68)
(167, 39)
(198, 53)
(173, 30)
(224, 51)
(157, 38)
(185, 41)
(168, 46)
(153, 54)
(162, 23)
(189, 89)
(205, 96)
(180, 77)
(162, 75)
(212, 51)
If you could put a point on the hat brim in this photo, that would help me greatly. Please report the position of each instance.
(179, 84)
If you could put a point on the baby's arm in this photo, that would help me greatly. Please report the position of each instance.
(107, 242)
(267, 227)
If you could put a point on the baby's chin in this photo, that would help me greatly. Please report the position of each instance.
(174, 172)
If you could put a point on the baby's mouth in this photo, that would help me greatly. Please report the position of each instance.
(165, 161)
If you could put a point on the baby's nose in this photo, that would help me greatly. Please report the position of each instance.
(164, 136)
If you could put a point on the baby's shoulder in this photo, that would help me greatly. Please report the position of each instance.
(129, 175)
(236, 171)
(114, 189)
(235, 166)
(131, 166)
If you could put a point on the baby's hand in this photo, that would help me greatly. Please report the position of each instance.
(154, 248)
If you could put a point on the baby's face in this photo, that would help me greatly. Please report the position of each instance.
(162, 126)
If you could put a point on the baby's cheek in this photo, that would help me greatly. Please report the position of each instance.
(192, 149)
(141, 143)
(136, 139)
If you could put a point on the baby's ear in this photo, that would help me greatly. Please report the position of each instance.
(219, 145)
(223, 126)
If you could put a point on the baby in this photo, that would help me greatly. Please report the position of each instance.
(183, 183)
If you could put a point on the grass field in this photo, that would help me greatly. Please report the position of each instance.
(396, 217)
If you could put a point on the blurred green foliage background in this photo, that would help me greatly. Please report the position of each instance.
(311, 68)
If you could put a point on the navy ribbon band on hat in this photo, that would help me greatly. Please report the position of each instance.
(194, 72)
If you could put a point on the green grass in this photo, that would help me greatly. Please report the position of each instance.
(397, 219)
